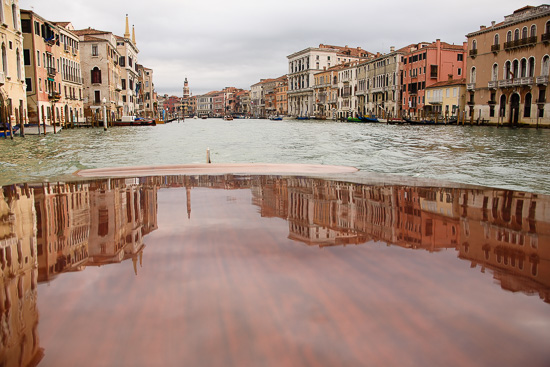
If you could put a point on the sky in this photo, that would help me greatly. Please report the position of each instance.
(221, 43)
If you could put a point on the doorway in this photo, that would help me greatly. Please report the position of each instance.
(514, 108)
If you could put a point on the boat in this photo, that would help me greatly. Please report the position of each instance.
(5, 131)
(302, 118)
(354, 119)
(204, 117)
(368, 119)
(276, 118)
(228, 118)
(137, 121)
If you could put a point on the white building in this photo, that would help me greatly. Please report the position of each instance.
(303, 65)
(129, 70)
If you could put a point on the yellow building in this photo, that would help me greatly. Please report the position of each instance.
(446, 100)
(13, 97)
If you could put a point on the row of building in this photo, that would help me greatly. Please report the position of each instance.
(499, 75)
(52, 72)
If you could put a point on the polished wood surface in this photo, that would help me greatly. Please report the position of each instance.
(218, 284)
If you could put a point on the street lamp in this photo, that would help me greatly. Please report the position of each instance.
(104, 100)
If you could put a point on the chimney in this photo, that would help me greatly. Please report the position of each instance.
(482, 27)
(493, 23)
(392, 48)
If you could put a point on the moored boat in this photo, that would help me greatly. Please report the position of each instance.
(228, 118)
(138, 121)
(36, 129)
(276, 118)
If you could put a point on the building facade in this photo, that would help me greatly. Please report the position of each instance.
(426, 64)
(13, 97)
(128, 51)
(326, 92)
(445, 100)
(302, 67)
(101, 75)
(508, 68)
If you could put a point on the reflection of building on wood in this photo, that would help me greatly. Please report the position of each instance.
(123, 211)
(508, 233)
(19, 342)
(62, 216)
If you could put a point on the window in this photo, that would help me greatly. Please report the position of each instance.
(523, 68)
(531, 71)
(509, 36)
(459, 71)
(459, 57)
(122, 61)
(123, 82)
(533, 30)
(40, 84)
(27, 57)
(516, 35)
(96, 75)
(524, 33)
(38, 57)
(28, 81)
(473, 75)
(508, 70)
(544, 72)
(495, 73)
(474, 45)
(97, 97)
(496, 39)
(26, 25)
(19, 73)
(14, 14)
(95, 51)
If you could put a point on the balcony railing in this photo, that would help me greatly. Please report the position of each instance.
(522, 81)
(473, 52)
(495, 48)
(435, 100)
(471, 86)
(524, 42)
(542, 79)
(540, 101)
(505, 83)
(545, 37)
(493, 84)
(51, 71)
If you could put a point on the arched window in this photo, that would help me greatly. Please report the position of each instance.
(515, 69)
(495, 72)
(19, 76)
(474, 45)
(508, 70)
(516, 34)
(509, 36)
(497, 39)
(4, 60)
(473, 75)
(14, 14)
(524, 33)
(531, 71)
(527, 107)
(545, 66)
(547, 27)
(533, 30)
(96, 76)
(523, 68)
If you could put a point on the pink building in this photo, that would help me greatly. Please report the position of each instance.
(425, 65)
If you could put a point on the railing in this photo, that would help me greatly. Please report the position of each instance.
(473, 52)
(528, 41)
(51, 70)
(540, 101)
(435, 100)
(545, 37)
(471, 86)
(505, 83)
(493, 84)
(542, 79)
(72, 79)
(495, 48)
(522, 81)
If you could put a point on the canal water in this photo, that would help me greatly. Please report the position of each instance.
(496, 157)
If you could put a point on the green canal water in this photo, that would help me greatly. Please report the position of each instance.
(507, 158)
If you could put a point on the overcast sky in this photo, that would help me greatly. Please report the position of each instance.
(222, 43)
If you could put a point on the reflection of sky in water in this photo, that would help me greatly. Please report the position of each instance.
(228, 287)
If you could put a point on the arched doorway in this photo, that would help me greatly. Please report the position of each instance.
(514, 108)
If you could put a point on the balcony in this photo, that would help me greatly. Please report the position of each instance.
(522, 82)
(542, 80)
(54, 97)
(51, 71)
(545, 37)
(540, 101)
(435, 100)
(524, 42)
(507, 83)
(495, 48)
(493, 84)
(471, 86)
(118, 87)
(473, 53)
